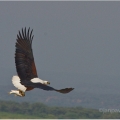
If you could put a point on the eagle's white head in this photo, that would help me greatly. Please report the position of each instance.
(38, 80)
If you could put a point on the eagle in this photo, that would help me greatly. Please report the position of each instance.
(27, 77)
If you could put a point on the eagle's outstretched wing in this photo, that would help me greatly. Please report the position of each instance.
(46, 87)
(24, 59)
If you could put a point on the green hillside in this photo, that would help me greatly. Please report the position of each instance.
(14, 110)
(7, 115)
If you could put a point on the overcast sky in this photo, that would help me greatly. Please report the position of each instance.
(69, 37)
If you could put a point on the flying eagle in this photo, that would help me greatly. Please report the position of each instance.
(27, 78)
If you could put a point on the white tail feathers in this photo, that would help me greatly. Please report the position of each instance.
(17, 84)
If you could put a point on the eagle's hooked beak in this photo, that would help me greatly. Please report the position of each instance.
(48, 83)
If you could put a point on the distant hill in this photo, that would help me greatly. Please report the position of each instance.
(73, 99)
(91, 91)
(26, 110)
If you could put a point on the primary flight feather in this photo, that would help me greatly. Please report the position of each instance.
(27, 78)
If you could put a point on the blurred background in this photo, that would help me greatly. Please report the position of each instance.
(76, 44)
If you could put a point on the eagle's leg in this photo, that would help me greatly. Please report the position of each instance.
(22, 93)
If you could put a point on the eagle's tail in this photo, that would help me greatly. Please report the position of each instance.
(17, 83)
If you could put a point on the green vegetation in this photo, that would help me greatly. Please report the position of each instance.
(12, 110)
(6, 115)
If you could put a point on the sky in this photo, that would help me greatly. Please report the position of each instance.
(69, 37)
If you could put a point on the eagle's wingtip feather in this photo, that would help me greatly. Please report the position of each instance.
(65, 90)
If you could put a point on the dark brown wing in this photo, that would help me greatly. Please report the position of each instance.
(45, 87)
(24, 59)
